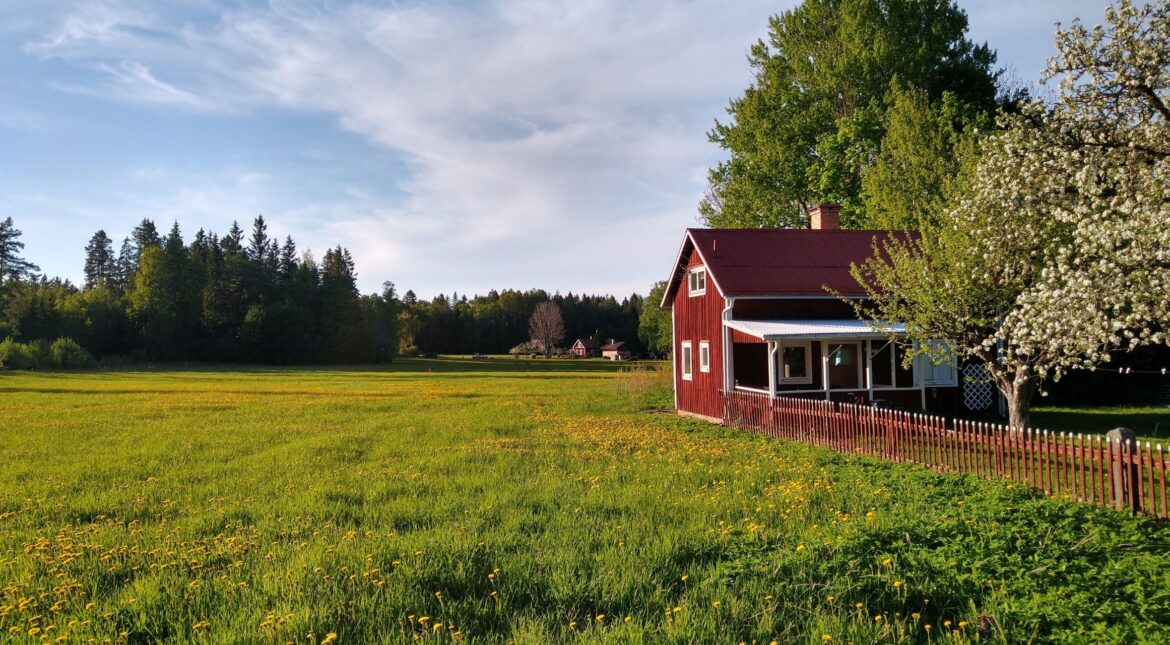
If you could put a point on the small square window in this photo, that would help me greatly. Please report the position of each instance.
(685, 360)
(704, 356)
(794, 363)
(697, 281)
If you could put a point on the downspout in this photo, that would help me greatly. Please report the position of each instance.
(728, 365)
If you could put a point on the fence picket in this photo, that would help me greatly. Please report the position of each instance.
(1093, 470)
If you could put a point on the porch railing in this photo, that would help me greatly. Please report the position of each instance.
(1122, 474)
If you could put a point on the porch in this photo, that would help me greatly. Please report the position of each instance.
(828, 360)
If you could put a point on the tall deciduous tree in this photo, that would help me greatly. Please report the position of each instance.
(815, 115)
(1059, 251)
(927, 150)
(654, 324)
(546, 328)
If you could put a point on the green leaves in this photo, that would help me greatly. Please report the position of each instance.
(812, 123)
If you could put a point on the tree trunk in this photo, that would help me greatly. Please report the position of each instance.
(1019, 392)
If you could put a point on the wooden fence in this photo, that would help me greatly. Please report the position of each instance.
(1122, 474)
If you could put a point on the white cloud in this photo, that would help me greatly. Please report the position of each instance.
(559, 121)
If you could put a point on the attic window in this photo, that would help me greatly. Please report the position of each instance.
(697, 281)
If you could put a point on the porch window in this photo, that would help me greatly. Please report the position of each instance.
(794, 363)
(697, 281)
(888, 371)
(943, 374)
(843, 365)
(685, 360)
(704, 356)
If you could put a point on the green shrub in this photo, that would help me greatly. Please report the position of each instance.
(40, 354)
(67, 354)
(14, 355)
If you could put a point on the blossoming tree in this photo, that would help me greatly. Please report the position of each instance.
(1058, 249)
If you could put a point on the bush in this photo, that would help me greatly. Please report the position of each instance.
(67, 354)
(526, 348)
(40, 354)
(14, 355)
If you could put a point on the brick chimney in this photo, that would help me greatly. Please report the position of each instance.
(825, 217)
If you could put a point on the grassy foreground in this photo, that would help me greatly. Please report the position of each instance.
(529, 501)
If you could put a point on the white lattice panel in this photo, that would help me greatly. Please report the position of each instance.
(978, 392)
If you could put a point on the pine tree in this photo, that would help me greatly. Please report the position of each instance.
(258, 245)
(101, 267)
(288, 259)
(12, 266)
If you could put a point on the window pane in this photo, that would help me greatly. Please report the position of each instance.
(904, 376)
(795, 362)
(686, 359)
(843, 367)
(883, 369)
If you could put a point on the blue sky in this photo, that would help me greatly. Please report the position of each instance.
(451, 146)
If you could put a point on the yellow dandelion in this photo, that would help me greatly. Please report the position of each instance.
(915, 616)
(572, 624)
(600, 617)
(962, 624)
(331, 637)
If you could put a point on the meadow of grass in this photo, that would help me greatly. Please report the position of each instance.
(526, 501)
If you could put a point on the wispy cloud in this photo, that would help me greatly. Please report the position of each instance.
(551, 120)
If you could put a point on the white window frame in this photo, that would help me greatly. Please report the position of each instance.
(923, 365)
(692, 275)
(861, 383)
(808, 367)
(686, 358)
(704, 356)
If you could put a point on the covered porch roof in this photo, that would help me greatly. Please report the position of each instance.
(813, 329)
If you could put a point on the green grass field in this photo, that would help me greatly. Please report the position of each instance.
(527, 501)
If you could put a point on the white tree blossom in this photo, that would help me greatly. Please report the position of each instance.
(1058, 251)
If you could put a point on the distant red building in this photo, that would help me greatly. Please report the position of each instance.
(750, 311)
(583, 348)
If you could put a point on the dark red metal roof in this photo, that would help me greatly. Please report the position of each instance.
(778, 262)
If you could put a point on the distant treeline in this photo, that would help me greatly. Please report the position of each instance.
(495, 323)
(251, 298)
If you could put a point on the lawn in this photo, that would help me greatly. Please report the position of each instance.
(530, 501)
(1149, 423)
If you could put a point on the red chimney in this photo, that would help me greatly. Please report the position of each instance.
(825, 217)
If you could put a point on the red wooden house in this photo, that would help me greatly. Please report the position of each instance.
(750, 311)
(583, 348)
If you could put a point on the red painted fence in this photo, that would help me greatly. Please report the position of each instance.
(1090, 469)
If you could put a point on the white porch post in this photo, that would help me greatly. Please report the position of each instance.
(773, 346)
(869, 367)
(825, 368)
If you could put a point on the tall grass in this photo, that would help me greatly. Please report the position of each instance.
(521, 501)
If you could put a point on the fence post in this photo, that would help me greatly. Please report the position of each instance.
(1126, 477)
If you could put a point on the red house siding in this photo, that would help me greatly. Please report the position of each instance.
(697, 319)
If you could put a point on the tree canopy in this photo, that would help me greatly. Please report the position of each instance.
(1058, 251)
(828, 81)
